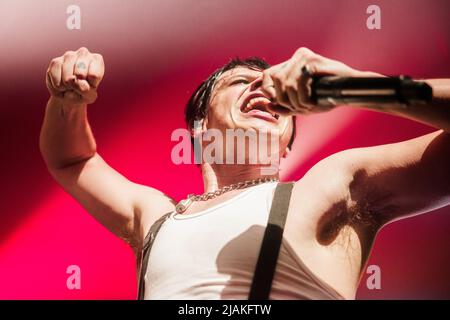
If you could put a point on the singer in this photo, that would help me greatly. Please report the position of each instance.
(207, 245)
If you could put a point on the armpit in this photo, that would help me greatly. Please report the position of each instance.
(369, 206)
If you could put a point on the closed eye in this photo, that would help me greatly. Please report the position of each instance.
(244, 81)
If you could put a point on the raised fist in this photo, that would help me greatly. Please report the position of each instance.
(74, 77)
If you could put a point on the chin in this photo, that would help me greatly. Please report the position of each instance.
(257, 124)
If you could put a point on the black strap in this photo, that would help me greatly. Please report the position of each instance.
(148, 243)
(270, 247)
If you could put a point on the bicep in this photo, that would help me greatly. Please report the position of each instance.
(401, 179)
(113, 200)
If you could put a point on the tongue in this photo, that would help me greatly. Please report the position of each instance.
(258, 110)
(260, 113)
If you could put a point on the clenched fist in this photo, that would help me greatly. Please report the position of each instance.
(288, 83)
(74, 77)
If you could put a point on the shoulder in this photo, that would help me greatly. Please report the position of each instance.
(324, 197)
(150, 205)
(332, 175)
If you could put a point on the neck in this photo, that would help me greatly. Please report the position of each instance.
(218, 176)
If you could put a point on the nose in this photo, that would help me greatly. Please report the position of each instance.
(257, 83)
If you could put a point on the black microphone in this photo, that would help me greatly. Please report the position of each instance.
(335, 90)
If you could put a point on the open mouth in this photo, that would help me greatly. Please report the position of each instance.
(258, 106)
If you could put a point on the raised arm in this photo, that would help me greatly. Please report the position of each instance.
(69, 150)
(381, 183)
(435, 114)
(410, 177)
(398, 180)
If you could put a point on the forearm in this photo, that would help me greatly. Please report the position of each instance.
(435, 114)
(66, 137)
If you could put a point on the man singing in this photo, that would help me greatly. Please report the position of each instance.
(208, 248)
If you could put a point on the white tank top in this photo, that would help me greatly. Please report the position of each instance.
(212, 254)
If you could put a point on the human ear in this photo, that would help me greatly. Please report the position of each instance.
(199, 128)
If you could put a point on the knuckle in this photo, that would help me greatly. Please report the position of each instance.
(83, 50)
(55, 62)
(313, 58)
(69, 54)
(269, 72)
(277, 77)
(97, 56)
(303, 51)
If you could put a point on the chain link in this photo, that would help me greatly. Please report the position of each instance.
(184, 204)
(234, 186)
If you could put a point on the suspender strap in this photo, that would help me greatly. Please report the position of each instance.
(148, 243)
(270, 247)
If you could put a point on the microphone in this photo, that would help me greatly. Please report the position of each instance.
(335, 90)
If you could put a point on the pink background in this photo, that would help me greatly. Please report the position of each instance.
(156, 53)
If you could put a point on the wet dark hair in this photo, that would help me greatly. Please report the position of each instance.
(198, 104)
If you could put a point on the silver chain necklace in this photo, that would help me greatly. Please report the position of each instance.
(185, 203)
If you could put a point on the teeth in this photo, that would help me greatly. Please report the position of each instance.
(251, 104)
(254, 101)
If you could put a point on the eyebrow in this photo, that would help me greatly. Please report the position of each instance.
(244, 75)
(228, 79)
